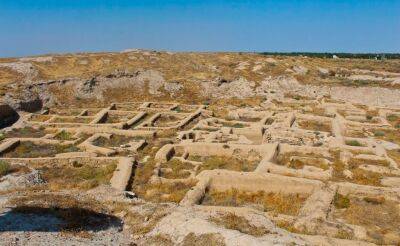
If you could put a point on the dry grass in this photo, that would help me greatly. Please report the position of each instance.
(166, 120)
(390, 135)
(16, 169)
(360, 176)
(141, 220)
(178, 169)
(378, 216)
(290, 227)
(354, 162)
(395, 155)
(4, 168)
(364, 177)
(64, 135)
(341, 201)
(210, 239)
(77, 176)
(26, 132)
(274, 202)
(32, 150)
(159, 240)
(298, 160)
(233, 222)
(166, 133)
(40, 117)
(168, 192)
(229, 163)
(118, 118)
(79, 120)
(315, 125)
(355, 133)
(113, 141)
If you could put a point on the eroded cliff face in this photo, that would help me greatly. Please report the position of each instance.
(29, 84)
(151, 85)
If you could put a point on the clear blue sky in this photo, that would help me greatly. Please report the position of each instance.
(30, 27)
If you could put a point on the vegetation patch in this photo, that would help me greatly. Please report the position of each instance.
(392, 117)
(77, 176)
(113, 118)
(233, 222)
(40, 117)
(166, 120)
(26, 132)
(379, 133)
(394, 155)
(355, 162)
(224, 162)
(312, 125)
(179, 169)
(32, 150)
(378, 216)
(168, 191)
(355, 133)
(298, 160)
(341, 201)
(390, 135)
(64, 135)
(4, 168)
(364, 177)
(81, 120)
(289, 204)
(353, 143)
(113, 141)
(211, 239)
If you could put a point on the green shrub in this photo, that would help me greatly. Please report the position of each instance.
(4, 168)
(238, 125)
(353, 143)
(392, 117)
(2, 137)
(379, 133)
(63, 135)
(177, 109)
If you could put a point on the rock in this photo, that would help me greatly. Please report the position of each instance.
(12, 181)
(270, 60)
(257, 67)
(348, 174)
(388, 145)
(87, 87)
(173, 87)
(323, 71)
(300, 70)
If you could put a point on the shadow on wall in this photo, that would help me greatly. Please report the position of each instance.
(31, 106)
(8, 116)
(56, 219)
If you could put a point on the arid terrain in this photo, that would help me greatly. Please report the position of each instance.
(161, 148)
